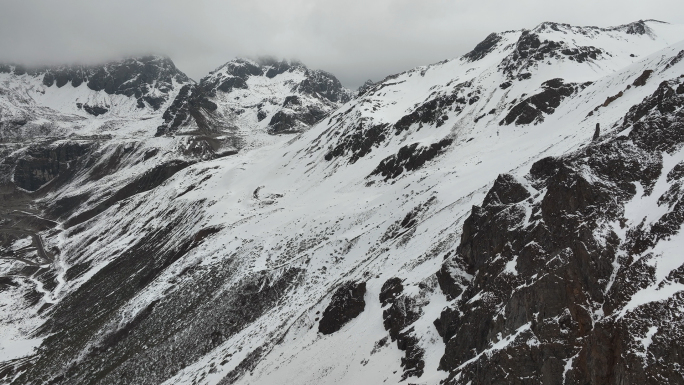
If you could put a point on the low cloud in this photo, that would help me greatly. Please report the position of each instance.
(354, 39)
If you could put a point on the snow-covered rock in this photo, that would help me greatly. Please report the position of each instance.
(250, 99)
(85, 100)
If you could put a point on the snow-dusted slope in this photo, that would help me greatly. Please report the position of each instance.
(352, 253)
(503, 83)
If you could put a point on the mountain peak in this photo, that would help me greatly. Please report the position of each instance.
(247, 91)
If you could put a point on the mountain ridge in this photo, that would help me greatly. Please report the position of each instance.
(513, 218)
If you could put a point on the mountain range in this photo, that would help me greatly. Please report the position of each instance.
(512, 215)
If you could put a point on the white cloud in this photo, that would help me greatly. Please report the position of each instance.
(354, 39)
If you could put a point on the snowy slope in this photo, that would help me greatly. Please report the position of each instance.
(226, 271)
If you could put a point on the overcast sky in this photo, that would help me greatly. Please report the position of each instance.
(354, 39)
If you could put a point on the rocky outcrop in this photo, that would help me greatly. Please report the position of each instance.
(357, 143)
(346, 304)
(295, 117)
(192, 102)
(400, 312)
(533, 109)
(483, 48)
(409, 158)
(39, 165)
(550, 274)
(530, 50)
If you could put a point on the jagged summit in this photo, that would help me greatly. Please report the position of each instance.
(245, 95)
(562, 34)
(147, 78)
(640, 27)
(235, 73)
(62, 100)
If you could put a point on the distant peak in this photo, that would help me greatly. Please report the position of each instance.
(483, 48)
(639, 27)
(271, 61)
(634, 28)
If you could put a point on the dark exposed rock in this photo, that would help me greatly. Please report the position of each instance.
(261, 115)
(662, 100)
(676, 59)
(483, 48)
(232, 83)
(433, 111)
(39, 165)
(283, 122)
(276, 68)
(401, 313)
(139, 77)
(288, 121)
(323, 84)
(145, 182)
(359, 143)
(676, 173)
(95, 110)
(541, 266)
(506, 190)
(365, 87)
(530, 50)
(597, 132)
(346, 304)
(292, 101)
(6, 282)
(390, 290)
(409, 158)
(195, 103)
(243, 69)
(636, 28)
(451, 283)
(192, 102)
(533, 108)
(641, 80)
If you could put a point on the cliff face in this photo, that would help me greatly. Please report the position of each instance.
(565, 269)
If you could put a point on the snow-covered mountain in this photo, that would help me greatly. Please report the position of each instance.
(59, 101)
(251, 100)
(509, 216)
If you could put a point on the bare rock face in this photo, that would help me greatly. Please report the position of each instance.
(401, 313)
(409, 158)
(346, 304)
(39, 165)
(551, 275)
(483, 48)
(534, 108)
(530, 49)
